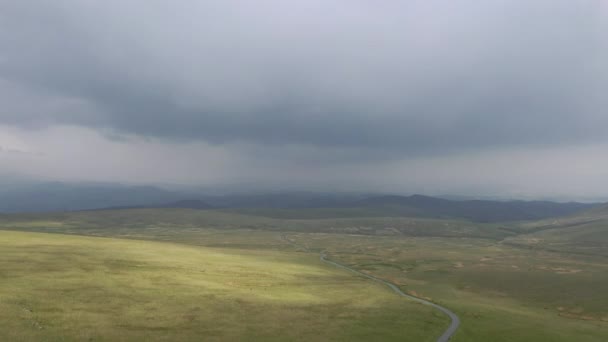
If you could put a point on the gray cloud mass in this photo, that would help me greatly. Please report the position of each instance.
(406, 76)
(369, 79)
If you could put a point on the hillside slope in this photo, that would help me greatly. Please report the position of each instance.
(69, 288)
(430, 207)
(585, 233)
(178, 221)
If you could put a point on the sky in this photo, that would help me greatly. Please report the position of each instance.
(496, 97)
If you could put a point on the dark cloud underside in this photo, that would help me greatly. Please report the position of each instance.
(410, 77)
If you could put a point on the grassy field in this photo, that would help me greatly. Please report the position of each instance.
(585, 233)
(69, 288)
(153, 222)
(501, 293)
(503, 287)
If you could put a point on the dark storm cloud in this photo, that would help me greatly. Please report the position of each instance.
(407, 77)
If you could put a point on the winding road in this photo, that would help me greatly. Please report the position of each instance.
(455, 321)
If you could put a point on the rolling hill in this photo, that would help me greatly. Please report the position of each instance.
(585, 233)
(432, 207)
(49, 197)
(72, 288)
(58, 196)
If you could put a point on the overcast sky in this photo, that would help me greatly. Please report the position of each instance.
(457, 96)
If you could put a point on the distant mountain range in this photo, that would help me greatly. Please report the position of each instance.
(56, 196)
(182, 204)
(474, 210)
(47, 197)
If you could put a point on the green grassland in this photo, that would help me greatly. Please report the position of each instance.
(68, 288)
(328, 213)
(170, 221)
(585, 233)
(530, 281)
(501, 293)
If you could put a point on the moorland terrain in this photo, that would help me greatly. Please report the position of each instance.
(167, 273)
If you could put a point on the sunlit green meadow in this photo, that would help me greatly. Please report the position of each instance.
(57, 287)
(506, 282)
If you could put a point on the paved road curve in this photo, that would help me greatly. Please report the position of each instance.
(455, 320)
(447, 335)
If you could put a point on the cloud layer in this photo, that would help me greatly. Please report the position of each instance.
(313, 82)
